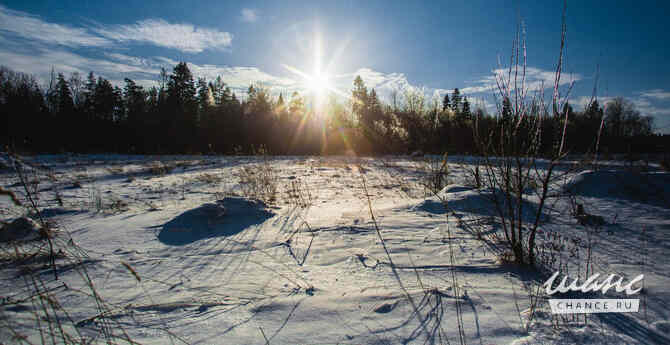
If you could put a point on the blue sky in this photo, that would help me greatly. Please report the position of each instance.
(394, 45)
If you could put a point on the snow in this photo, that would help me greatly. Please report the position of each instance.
(638, 187)
(182, 255)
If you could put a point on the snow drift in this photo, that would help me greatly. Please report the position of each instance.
(649, 188)
(226, 217)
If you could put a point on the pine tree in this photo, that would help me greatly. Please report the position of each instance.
(251, 92)
(297, 105)
(64, 111)
(280, 101)
(445, 102)
(183, 108)
(465, 113)
(104, 101)
(204, 95)
(359, 97)
(135, 102)
(217, 89)
(88, 96)
(119, 109)
(65, 104)
(456, 101)
(374, 107)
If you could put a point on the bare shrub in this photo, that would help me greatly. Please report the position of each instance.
(209, 178)
(115, 170)
(297, 193)
(158, 168)
(434, 172)
(515, 177)
(100, 203)
(259, 180)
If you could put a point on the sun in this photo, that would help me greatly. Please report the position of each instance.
(318, 83)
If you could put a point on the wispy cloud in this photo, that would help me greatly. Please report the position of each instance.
(385, 84)
(645, 105)
(654, 103)
(656, 94)
(536, 79)
(130, 60)
(581, 102)
(239, 78)
(183, 37)
(382, 82)
(40, 62)
(33, 28)
(648, 106)
(249, 15)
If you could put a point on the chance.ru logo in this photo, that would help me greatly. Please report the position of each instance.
(588, 306)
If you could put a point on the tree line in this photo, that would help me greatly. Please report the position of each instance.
(183, 114)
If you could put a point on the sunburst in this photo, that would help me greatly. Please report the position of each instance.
(319, 83)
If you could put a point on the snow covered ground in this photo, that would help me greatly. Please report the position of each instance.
(178, 253)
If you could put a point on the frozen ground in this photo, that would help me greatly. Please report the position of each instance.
(178, 254)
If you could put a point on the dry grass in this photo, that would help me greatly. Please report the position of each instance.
(259, 180)
(158, 168)
(434, 172)
(209, 178)
(46, 320)
(665, 163)
(298, 194)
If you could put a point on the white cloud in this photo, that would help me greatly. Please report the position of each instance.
(386, 83)
(249, 15)
(145, 83)
(130, 60)
(648, 104)
(656, 104)
(383, 82)
(31, 27)
(644, 104)
(183, 37)
(647, 107)
(41, 61)
(239, 78)
(580, 103)
(536, 79)
(656, 94)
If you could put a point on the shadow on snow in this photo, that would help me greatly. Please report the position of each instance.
(226, 217)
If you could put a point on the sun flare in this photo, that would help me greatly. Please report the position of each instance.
(318, 83)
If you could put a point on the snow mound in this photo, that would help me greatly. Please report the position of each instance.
(430, 205)
(458, 197)
(226, 217)
(22, 228)
(662, 326)
(435, 204)
(469, 200)
(650, 188)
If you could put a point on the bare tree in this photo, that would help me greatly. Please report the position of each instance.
(76, 86)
